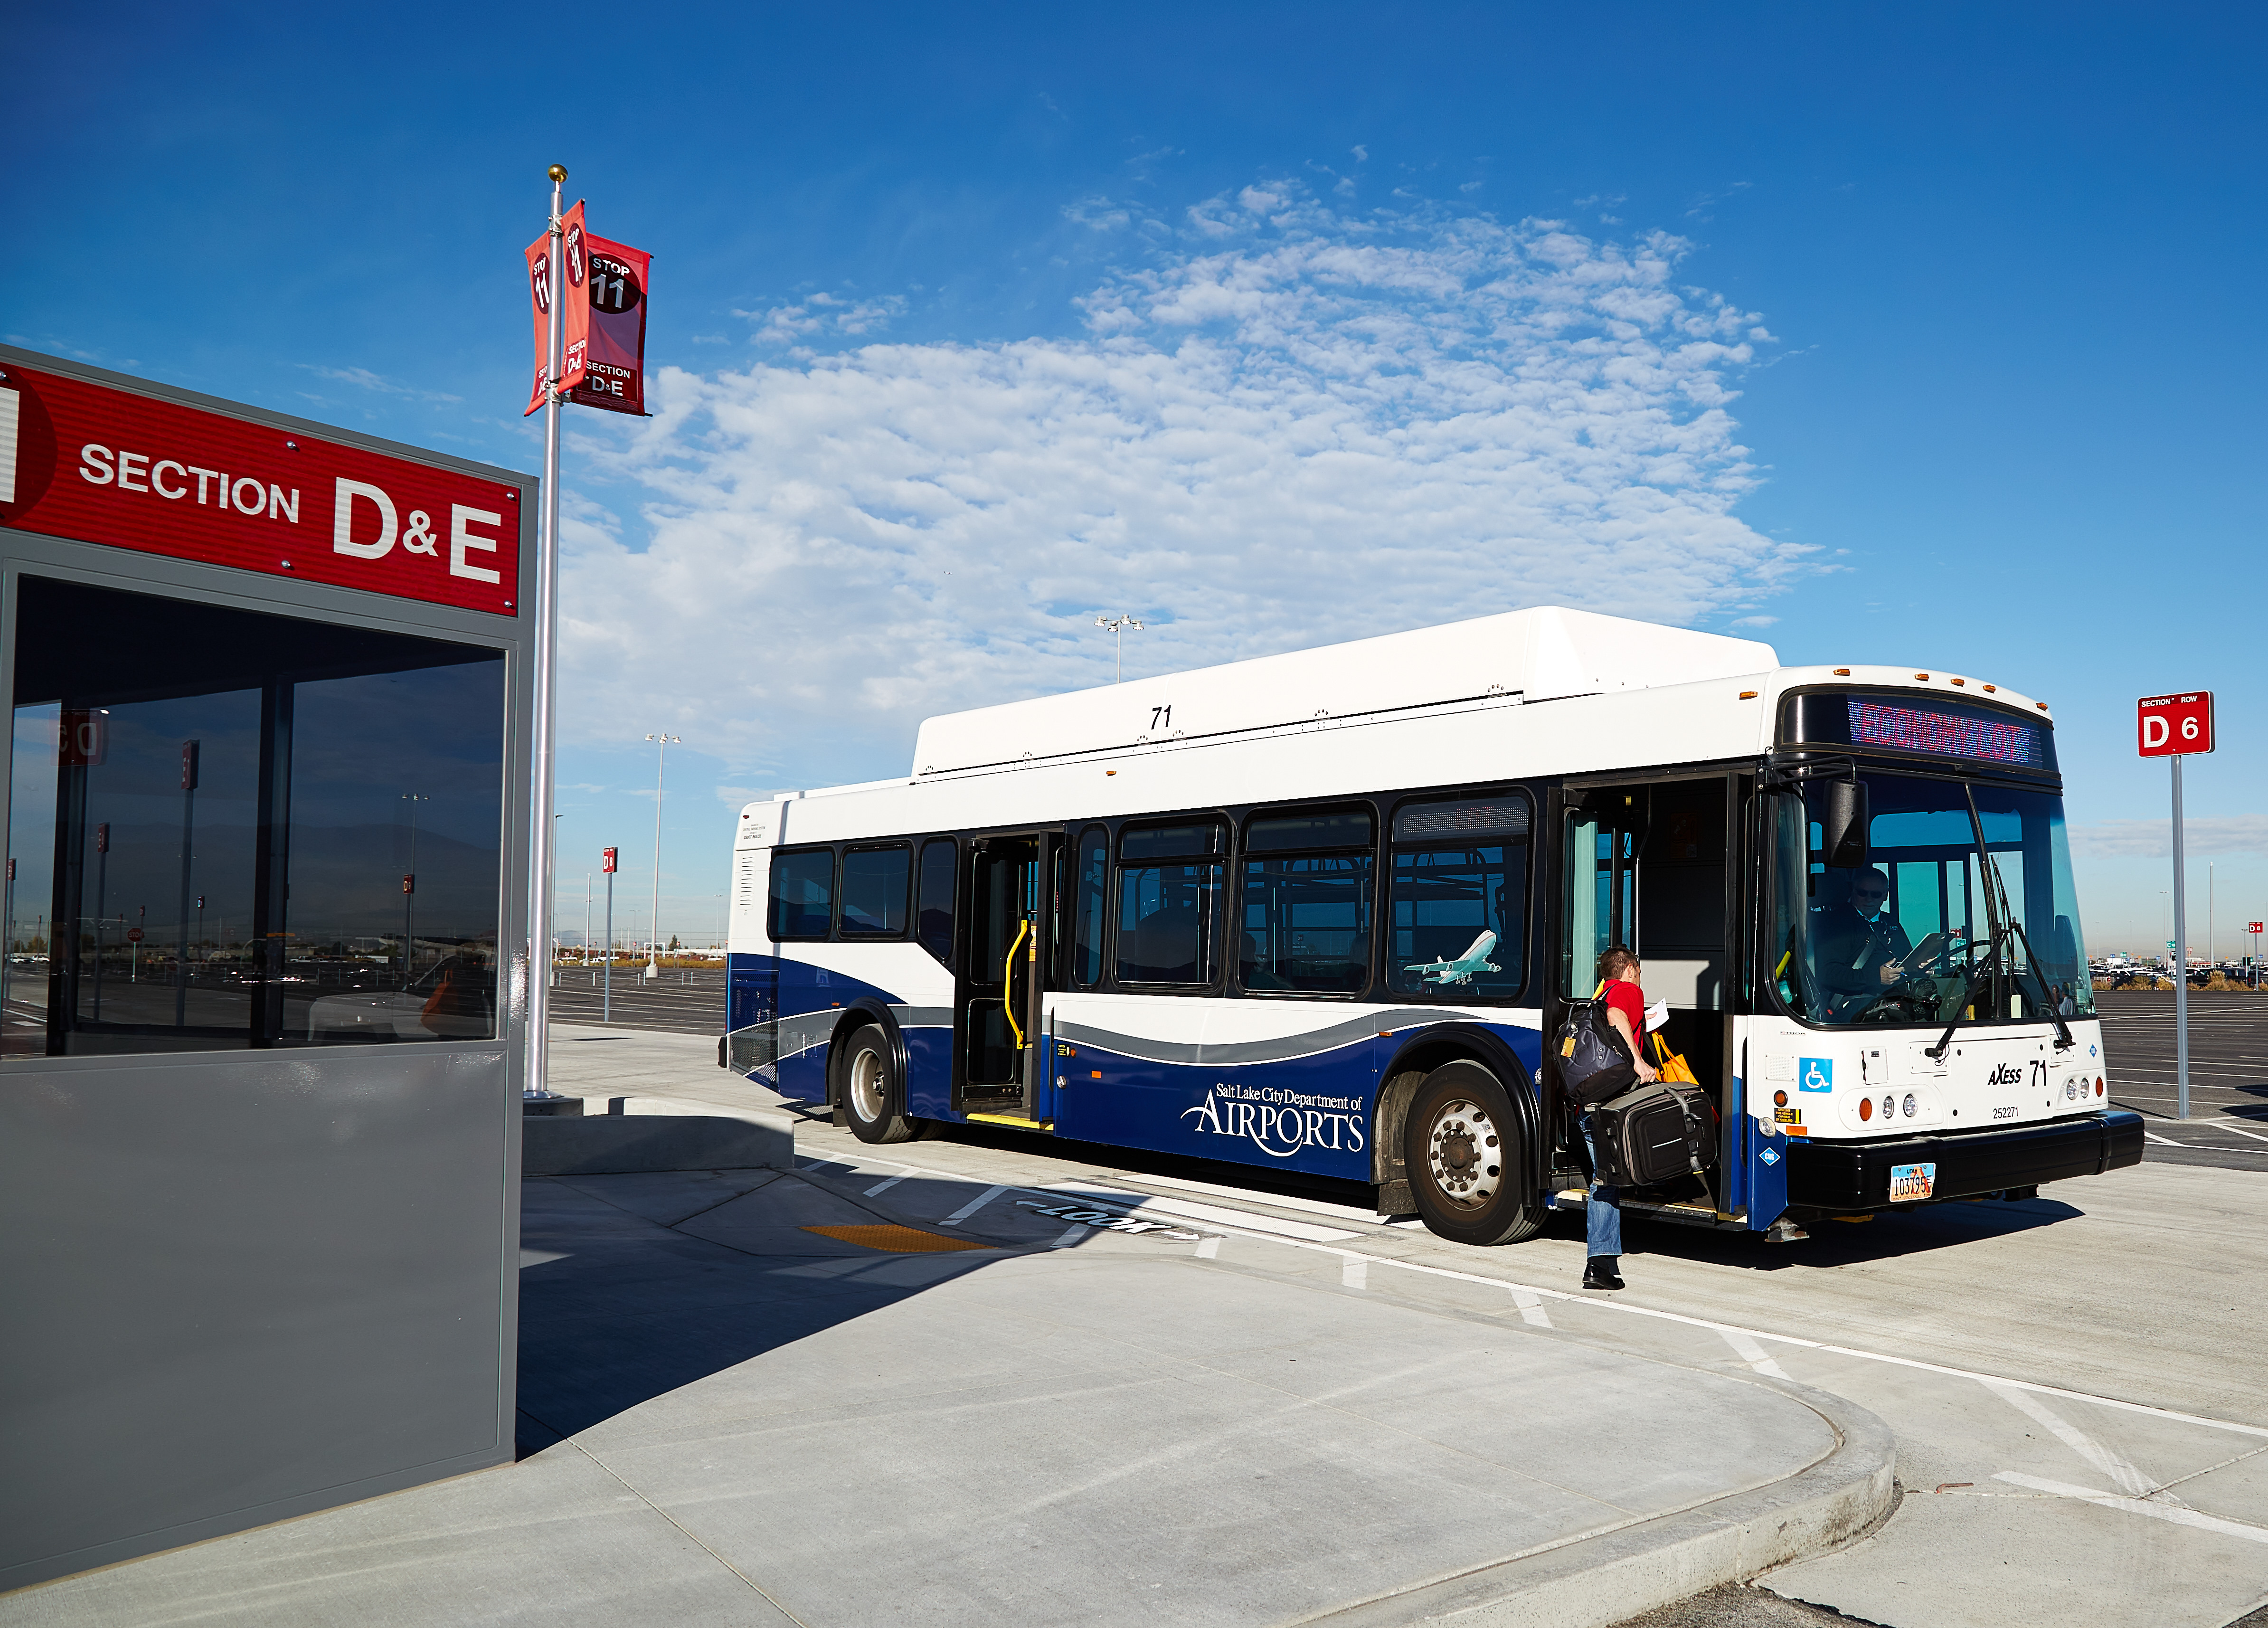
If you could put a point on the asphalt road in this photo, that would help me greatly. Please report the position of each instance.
(2228, 1074)
(683, 1000)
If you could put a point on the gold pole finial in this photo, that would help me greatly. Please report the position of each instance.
(558, 172)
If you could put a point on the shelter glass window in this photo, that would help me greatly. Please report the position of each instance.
(1169, 885)
(235, 829)
(1460, 897)
(1091, 880)
(803, 894)
(1307, 902)
(939, 869)
(874, 883)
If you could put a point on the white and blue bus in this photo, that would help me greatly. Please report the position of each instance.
(1318, 911)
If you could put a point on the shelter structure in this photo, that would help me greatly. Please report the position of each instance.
(266, 968)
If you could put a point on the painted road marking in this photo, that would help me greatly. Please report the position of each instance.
(884, 1187)
(2164, 1141)
(1752, 1353)
(2179, 1516)
(972, 1206)
(1208, 1249)
(1531, 1308)
(1072, 1236)
(1354, 1273)
(1184, 1210)
(1627, 1309)
(2104, 1457)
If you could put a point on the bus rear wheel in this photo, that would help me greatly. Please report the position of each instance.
(1462, 1150)
(872, 1093)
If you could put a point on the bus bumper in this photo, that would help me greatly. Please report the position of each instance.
(1856, 1176)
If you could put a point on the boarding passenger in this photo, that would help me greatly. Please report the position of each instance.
(1602, 1207)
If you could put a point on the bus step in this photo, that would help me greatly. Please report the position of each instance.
(1016, 1120)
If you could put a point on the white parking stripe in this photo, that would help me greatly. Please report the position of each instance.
(972, 1206)
(1628, 1309)
(1072, 1237)
(1354, 1273)
(2104, 1457)
(2180, 1515)
(1752, 1353)
(2163, 1141)
(884, 1187)
(1208, 1249)
(1531, 1308)
(2235, 1130)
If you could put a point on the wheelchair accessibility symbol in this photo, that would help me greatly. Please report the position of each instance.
(1815, 1074)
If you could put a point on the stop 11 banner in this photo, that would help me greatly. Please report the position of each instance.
(605, 338)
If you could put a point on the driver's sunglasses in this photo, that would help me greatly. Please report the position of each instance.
(1875, 894)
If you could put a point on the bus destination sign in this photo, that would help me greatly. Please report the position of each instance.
(97, 464)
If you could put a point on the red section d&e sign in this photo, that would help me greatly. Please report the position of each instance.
(100, 465)
(2174, 725)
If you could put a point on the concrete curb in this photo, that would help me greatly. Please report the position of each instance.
(1592, 1582)
(679, 1136)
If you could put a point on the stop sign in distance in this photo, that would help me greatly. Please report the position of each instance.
(2174, 725)
(134, 935)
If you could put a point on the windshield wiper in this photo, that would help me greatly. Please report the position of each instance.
(2005, 928)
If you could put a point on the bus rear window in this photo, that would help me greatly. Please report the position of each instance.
(803, 894)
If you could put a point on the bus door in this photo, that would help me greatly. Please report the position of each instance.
(1001, 1043)
(1649, 865)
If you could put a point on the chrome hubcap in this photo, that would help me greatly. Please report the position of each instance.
(1463, 1154)
(869, 1080)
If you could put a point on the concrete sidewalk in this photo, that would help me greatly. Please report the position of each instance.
(804, 1395)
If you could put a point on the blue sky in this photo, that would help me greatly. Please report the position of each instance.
(1921, 335)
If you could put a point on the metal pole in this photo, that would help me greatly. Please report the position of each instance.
(653, 945)
(586, 918)
(547, 634)
(2181, 962)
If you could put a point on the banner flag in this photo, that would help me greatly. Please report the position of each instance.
(613, 374)
(574, 260)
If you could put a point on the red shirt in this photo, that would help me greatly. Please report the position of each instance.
(1627, 998)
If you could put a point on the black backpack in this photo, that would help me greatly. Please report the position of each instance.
(1593, 1064)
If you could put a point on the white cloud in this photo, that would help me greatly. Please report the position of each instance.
(1277, 432)
(821, 314)
(2154, 839)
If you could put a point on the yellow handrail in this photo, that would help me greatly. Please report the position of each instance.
(1008, 984)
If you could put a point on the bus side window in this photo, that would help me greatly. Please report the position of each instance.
(1088, 883)
(1168, 904)
(803, 894)
(874, 891)
(938, 872)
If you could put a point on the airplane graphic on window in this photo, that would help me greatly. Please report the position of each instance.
(1462, 969)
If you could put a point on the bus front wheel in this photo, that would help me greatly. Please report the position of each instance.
(1462, 1150)
(874, 1096)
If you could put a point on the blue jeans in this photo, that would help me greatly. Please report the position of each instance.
(1603, 1208)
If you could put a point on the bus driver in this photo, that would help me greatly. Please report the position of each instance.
(1861, 949)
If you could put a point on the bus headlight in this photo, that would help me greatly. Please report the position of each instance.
(1890, 1107)
(1910, 1105)
(2069, 1089)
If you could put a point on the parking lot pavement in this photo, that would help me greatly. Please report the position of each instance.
(851, 1394)
(2229, 1074)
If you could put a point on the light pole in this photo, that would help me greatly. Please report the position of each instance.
(1118, 625)
(662, 743)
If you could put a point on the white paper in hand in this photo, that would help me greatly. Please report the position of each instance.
(1657, 1014)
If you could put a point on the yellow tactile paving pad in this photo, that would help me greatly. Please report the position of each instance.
(897, 1240)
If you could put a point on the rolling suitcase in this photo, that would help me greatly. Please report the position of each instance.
(1655, 1134)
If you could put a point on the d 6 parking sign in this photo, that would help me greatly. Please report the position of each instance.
(2174, 725)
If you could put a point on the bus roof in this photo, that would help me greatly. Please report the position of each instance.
(1540, 655)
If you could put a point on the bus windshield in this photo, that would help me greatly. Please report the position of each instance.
(1965, 911)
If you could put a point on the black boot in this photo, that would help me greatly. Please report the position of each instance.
(1602, 1272)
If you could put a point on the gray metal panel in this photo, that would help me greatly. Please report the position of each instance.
(245, 1278)
(242, 1286)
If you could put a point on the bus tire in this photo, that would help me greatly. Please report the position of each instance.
(873, 1094)
(1463, 1151)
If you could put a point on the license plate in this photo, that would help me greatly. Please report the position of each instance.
(1908, 1181)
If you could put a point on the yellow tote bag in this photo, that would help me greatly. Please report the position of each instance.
(1670, 1065)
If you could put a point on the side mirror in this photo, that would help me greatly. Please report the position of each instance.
(1842, 823)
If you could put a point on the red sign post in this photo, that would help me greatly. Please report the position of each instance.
(2174, 727)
